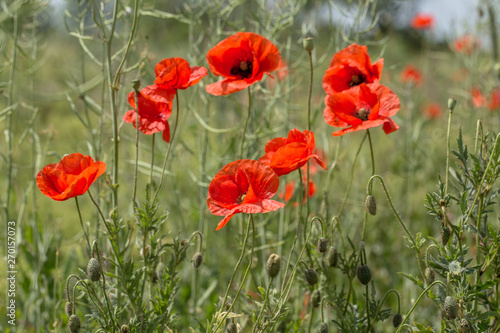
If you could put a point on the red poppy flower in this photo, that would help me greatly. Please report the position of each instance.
(466, 44)
(290, 189)
(242, 59)
(243, 186)
(175, 73)
(155, 107)
(433, 110)
(285, 155)
(69, 178)
(478, 99)
(422, 21)
(362, 107)
(411, 74)
(494, 102)
(351, 67)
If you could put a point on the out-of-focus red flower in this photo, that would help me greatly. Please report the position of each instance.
(282, 71)
(350, 67)
(285, 155)
(69, 178)
(290, 189)
(422, 21)
(411, 74)
(243, 186)
(362, 107)
(175, 73)
(155, 107)
(433, 110)
(242, 59)
(494, 102)
(478, 99)
(466, 44)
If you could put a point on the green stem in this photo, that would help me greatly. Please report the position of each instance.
(243, 137)
(311, 320)
(152, 158)
(136, 97)
(263, 305)
(371, 151)
(398, 297)
(81, 223)
(478, 251)
(448, 152)
(367, 306)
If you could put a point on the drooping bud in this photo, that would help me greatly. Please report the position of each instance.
(68, 308)
(124, 329)
(311, 276)
(74, 324)
(322, 244)
(273, 265)
(316, 298)
(364, 274)
(397, 319)
(308, 44)
(371, 205)
(429, 275)
(94, 270)
(332, 257)
(451, 307)
(197, 260)
(232, 328)
(323, 328)
(445, 235)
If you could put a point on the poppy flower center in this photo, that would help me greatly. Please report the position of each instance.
(362, 114)
(244, 69)
(241, 198)
(357, 79)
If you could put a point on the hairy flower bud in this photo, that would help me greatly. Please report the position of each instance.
(94, 270)
(322, 244)
(445, 235)
(124, 329)
(323, 328)
(397, 319)
(74, 324)
(371, 205)
(316, 298)
(197, 260)
(311, 276)
(451, 307)
(68, 308)
(273, 265)
(308, 44)
(429, 275)
(451, 104)
(465, 326)
(364, 274)
(332, 257)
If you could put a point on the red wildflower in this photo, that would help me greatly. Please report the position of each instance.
(478, 99)
(422, 21)
(350, 67)
(242, 59)
(243, 186)
(175, 73)
(362, 107)
(285, 155)
(69, 178)
(290, 189)
(466, 44)
(411, 74)
(433, 110)
(155, 107)
(494, 102)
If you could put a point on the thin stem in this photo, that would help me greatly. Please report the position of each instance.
(398, 297)
(311, 320)
(243, 137)
(478, 251)
(367, 306)
(104, 284)
(371, 151)
(81, 223)
(136, 97)
(448, 145)
(263, 305)
(152, 158)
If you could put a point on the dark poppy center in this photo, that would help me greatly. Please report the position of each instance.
(241, 198)
(362, 114)
(357, 79)
(243, 69)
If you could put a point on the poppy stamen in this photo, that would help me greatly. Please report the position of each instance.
(362, 114)
(357, 80)
(241, 198)
(243, 69)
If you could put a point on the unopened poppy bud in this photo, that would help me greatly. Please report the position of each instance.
(94, 270)
(445, 235)
(451, 307)
(74, 324)
(308, 44)
(371, 205)
(68, 308)
(397, 319)
(323, 328)
(451, 104)
(273, 265)
(184, 242)
(332, 257)
(364, 274)
(124, 329)
(322, 244)
(311, 276)
(429, 275)
(232, 328)
(465, 326)
(316, 298)
(197, 260)
(136, 84)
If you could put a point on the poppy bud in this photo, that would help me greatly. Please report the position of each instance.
(397, 319)
(197, 260)
(323, 328)
(429, 275)
(232, 328)
(451, 104)
(364, 274)
(465, 326)
(322, 244)
(94, 270)
(451, 307)
(136, 84)
(331, 257)
(316, 298)
(445, 235)
(311, 276)
(68, 308)
(74, 324)
(308, 44)
(124, 329)
(273, 265)
(371, 205)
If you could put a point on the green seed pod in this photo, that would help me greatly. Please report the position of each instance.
(311, 276)
(74, 324)
(429, 275)
(322, 244)
(68, 308)
(136, 84)
(445, 235)
(94, 270)
(465, 326)
(323, 328)
(308, 44)
(364, 274)
(332, 257)
(451, 307)
(232, 328)
(124, 329)
(273, 265)
(397, 319)
(451, 104)
(197, 260)
(371, 205)
(316, 298)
